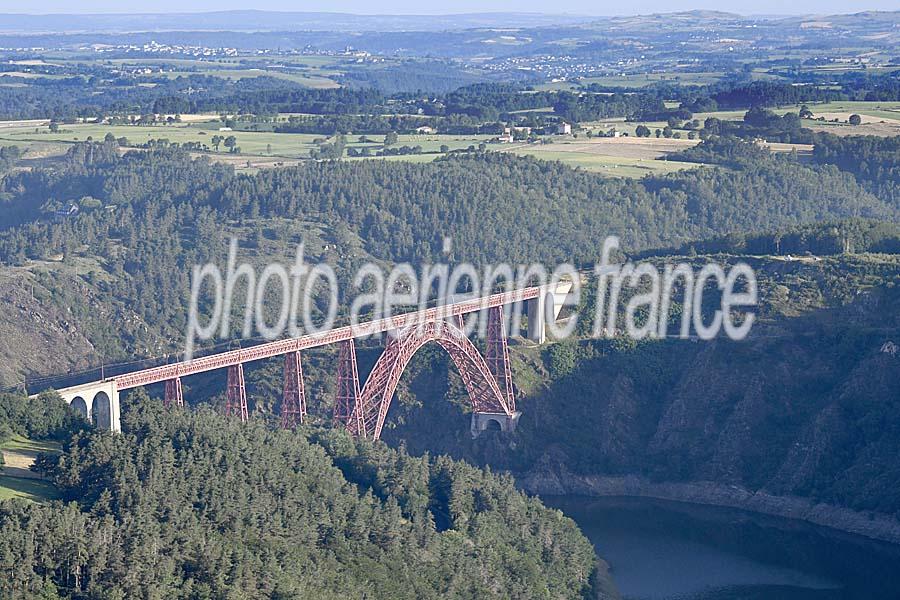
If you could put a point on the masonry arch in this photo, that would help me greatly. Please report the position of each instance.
(80, 406)
(493, 425)
(101, 411)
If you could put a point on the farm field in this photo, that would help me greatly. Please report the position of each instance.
(624, 156)
(633, 81)
(16, 480)
(289, 145)
(644, 79)
(877, 110)
(200, 129)
(878, 118)
(627, 156)
(620, 157)
(309, 71)
(885, 129)
(621, 147)
(639, 80)
(609, 165)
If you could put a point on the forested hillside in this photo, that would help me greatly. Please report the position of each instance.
(496, 207)
(875, 161)
(808, 406)
(144, 219)
(194, 505)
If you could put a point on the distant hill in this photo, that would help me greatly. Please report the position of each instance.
(258, 20)
(459, 36)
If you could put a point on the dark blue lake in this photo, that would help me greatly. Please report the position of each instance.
(660, 550)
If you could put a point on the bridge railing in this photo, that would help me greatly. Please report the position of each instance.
(112, 370)
(339, 334)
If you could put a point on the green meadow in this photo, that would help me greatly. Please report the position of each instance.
(16, 481)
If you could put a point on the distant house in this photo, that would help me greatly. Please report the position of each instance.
(69, 211)
(426, 129)
(563, 129)
(224, 128)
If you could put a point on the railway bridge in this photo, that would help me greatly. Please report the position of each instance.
(360, 409)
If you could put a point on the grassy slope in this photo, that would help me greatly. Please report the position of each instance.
(16, 481)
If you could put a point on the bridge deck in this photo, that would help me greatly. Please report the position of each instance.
(270, 349)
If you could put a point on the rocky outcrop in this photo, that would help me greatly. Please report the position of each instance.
(35, 336)
(56, 324)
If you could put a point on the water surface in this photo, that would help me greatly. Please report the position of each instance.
(660, 550)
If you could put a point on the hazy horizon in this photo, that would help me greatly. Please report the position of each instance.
(409, 8)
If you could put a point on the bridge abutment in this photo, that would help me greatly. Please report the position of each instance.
(537, 319)
(485, 421)
(98, 402)
(539, 311)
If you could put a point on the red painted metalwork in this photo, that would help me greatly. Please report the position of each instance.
(340, 334)
(497, 355)
(347, 394)
(375, 399)
(293, 401)
(489, 383)
(173, 393)
(236, 393)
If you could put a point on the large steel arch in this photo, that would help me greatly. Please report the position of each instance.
(375, 398)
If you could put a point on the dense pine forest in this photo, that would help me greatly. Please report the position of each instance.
(193, 505)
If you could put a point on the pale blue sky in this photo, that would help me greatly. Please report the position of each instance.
(588, 7)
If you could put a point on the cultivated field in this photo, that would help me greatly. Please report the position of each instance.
(621, 147)
(639, 80)
(309, 71)
(878, 118)
(627, 156)
(621, 157)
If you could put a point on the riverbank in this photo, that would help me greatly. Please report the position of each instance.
(558, 481)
